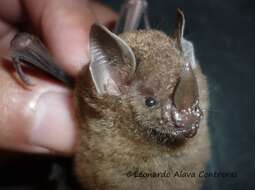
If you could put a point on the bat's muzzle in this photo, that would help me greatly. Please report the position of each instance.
(181, 123)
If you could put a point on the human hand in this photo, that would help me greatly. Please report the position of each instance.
(41, 119)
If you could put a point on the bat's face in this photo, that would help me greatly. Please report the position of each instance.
(150, 71)
(163, 92)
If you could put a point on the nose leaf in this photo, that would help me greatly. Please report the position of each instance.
(186, 92)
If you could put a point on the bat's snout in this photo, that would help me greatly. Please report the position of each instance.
(181, 123)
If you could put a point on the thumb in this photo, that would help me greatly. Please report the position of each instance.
(41, 119)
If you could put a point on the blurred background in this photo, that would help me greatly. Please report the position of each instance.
(223, 34)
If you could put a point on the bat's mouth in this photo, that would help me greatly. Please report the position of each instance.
(171, 134)
(177, 126)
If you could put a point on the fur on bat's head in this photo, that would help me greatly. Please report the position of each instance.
(147, 70)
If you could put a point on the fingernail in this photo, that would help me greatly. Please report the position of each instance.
(54, 126)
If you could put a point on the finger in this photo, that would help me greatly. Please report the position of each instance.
(7, 32)
(65, 27)
(11, 11)
(39, 119)
(103, 14)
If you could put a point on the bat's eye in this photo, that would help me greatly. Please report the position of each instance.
(150, 101)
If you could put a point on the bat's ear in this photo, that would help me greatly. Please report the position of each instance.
(186, 92)
(179, 28)
(185, 46)
(112, 63)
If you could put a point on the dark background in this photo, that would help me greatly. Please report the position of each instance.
(223, 35)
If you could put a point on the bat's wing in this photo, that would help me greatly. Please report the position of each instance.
(27, 49)
(131, 14)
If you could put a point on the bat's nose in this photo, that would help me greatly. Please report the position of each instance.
(179, 119)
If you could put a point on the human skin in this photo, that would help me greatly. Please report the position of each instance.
(40, 118)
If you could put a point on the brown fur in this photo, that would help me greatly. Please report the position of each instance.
(112, 139)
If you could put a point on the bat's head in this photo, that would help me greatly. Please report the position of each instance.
(148, 70)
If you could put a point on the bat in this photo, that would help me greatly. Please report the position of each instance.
(140, 105)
